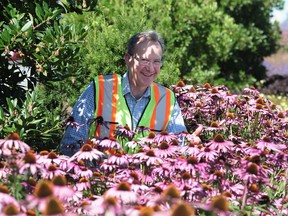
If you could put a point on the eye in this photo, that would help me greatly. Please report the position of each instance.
(145, 61)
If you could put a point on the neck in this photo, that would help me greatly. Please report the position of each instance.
(137, 92)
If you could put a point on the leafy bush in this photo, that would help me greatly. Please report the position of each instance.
(39, 127)
(34, 30)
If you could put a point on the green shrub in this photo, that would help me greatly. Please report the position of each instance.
(38, 127)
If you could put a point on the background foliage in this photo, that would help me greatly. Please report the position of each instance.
(66, 43)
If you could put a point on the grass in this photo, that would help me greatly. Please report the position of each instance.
(280, 100)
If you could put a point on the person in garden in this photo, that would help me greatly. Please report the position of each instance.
(133, 100)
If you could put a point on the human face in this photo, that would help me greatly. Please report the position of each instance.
(144, 65)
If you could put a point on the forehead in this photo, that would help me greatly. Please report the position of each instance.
(148, 48)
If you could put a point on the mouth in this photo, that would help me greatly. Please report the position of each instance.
(147, 75)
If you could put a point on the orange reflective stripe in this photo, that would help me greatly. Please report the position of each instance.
(157, 97)
(114, 104)
(100, 100)
(167, 108)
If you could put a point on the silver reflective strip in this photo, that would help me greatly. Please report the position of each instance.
(161, 109)
(107, 105)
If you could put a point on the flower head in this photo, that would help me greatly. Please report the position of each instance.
(13, 142)
(87, 153)
(220, 144)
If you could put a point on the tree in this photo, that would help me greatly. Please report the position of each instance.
(221, 42)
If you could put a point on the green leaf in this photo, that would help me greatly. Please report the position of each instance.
(55, 59)
(39, 11)
(20, 122)
(31, 18)
(26, 26)
(35, 121)
(1, 44)
(5, 36)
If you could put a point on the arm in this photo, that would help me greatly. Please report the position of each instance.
(177, 125)
(77, 132)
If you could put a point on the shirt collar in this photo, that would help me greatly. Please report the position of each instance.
(126, 87)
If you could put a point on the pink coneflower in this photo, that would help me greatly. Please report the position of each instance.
(55, 207)
(150, 139)
(251, 91)
(236, 189)
(217, 175)
(43, 192)
(110, 143)
(106, 166)
(133, 145)
(266, 143)
(83, 171)
(11, 209)
(186, 178)
(142, 130)
(190, 150)
(190, 189)
(50, 158)
(6, 198)
(163, 171)
(129, 176)
(105, 206)
(230, 98)
(252, 172)
(118, 159)
(220, 205)
(149, 157)
(67, 165)
(146, 176)
(182, 208)
(207, 153)
(220, 144)
(87, 153)
(13, 142)
(165, 150)
(192, 165)
(123, 192)
(52, 171)
(138, 187)
(165, 136)
(279, 159)
(61, 189)
(82, 184)
(279, 203)
(179, 88)
(30, 165)
(71, 122)
(123, 132)
(214, 126)
(155, 192)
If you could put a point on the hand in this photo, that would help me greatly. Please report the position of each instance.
(196, 140)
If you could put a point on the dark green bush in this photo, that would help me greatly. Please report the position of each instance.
(38, 127)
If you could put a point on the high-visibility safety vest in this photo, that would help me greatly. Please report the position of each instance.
(112, 109)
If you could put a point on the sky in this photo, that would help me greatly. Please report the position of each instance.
(282, 15)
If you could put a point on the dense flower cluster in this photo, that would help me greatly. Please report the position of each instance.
(239, 168)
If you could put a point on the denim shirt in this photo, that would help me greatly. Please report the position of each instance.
(84, 110)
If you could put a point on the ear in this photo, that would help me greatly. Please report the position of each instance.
(127, 58)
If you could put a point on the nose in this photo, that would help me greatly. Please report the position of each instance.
(150, 66)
